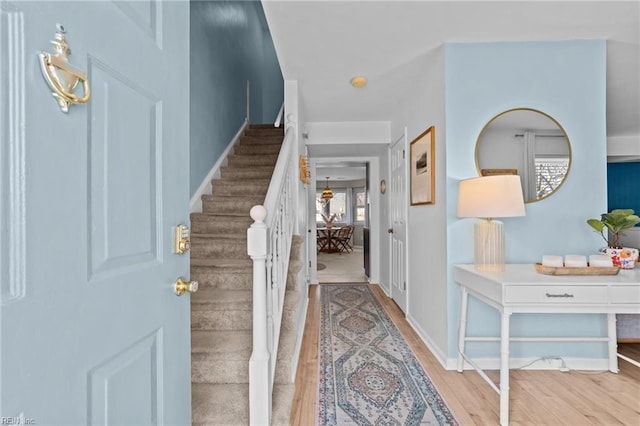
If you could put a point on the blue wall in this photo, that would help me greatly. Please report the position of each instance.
(623, 183)
(230, 44)
(567, 81)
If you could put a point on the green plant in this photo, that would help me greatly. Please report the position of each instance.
(615, 222)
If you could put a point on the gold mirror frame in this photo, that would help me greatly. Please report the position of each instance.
(524, 125)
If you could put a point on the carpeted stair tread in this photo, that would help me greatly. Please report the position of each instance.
(222, 344)
(221, 310)
(204, 223)
(208, 236)
(261, 140)
(269, 126)
(252, 160)
(222, 299)
(220, 404)
(282, 403)
(209, 369)
(208, 319)
(220, 246)
(231, 205)
(286, 348)
(221, 356)
(264, 131)
(239, 159)
(233, 201)
(223, 278)
(222, 198)
(256, 149)
(214, 216)
(233, 187)
(256, 172)
(243, 182)
(224, 264)
(289, 309)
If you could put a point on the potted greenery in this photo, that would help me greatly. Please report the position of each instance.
(614, 223)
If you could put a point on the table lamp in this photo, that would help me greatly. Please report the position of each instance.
(488, 198)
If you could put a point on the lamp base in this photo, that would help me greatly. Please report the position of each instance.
(489, 245)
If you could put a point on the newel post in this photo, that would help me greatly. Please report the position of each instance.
(259, 380)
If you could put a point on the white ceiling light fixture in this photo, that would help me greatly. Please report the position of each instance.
(359, 81)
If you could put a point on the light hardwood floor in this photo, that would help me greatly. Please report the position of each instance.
(537, 397)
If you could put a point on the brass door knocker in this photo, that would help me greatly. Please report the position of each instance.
(62, 77)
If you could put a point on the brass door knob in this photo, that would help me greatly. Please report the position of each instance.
(182, 286)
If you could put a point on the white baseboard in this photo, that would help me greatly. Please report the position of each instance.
(540, 363)
(430, 344)
(195, 204)
(385, 289)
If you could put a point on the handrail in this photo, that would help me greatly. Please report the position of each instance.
(279, 116)
(269, 246)
(279, 172)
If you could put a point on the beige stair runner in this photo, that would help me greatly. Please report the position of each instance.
(221, 310)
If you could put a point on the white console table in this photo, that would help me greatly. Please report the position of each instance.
(520, 289)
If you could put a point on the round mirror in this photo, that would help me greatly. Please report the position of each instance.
(528, 143)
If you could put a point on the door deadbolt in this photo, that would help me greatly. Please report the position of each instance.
(181, 240)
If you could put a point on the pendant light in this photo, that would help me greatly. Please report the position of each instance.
(327, 193)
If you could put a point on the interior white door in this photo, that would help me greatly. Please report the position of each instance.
(91, 330)
(397, 230)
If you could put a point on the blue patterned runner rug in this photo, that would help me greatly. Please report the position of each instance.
(368, 373)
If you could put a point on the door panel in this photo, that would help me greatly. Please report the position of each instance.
(123, 176)
(91, 332)
(112, 381)
(12, 150)
(145, 14)
(398, 210)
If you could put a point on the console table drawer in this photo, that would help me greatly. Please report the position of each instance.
(555, 294)
(625, 294)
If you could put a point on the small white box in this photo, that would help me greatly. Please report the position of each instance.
(575, 261)
(601, 260)
(552, 261)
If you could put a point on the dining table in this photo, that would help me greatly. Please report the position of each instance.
(328, 236)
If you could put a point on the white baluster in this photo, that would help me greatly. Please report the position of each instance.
(259, 371)
(269, 245)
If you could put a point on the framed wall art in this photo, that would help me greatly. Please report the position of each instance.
(495, 172)
(422, 168)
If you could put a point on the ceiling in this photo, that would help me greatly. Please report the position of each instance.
(323, 44)
(341, 171)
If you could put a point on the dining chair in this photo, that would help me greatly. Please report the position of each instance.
(321, 240)
(344, 238)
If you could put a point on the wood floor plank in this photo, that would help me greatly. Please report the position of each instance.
(537, 397)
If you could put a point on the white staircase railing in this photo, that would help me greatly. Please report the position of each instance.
(279, 116)
(269, 245)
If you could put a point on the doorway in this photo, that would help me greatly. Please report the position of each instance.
(352, 204)
(341, 268)
(340, 216)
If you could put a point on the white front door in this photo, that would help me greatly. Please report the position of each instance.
(91, 330)
(397, 230)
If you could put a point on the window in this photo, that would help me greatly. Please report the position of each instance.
(337, 205)
(361, 203)
(550, 172)
(348, 204)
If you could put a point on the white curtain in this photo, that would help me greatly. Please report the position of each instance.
(529, 172)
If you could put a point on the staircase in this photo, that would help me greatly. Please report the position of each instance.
(221, 310)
